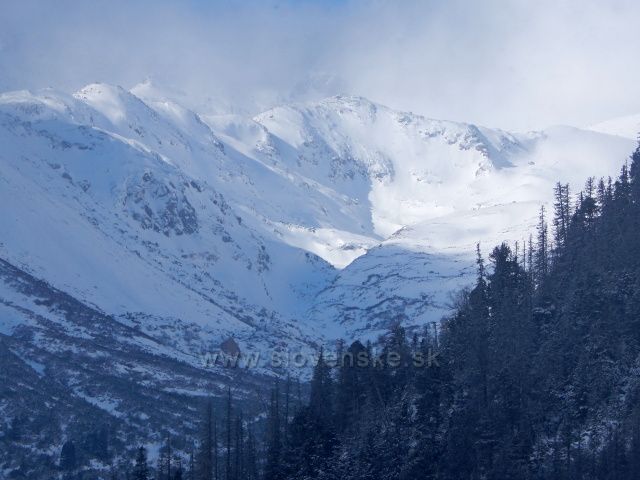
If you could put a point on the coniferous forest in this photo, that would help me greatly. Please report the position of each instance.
(534, 376)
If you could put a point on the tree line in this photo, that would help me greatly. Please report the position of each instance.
(535, 374)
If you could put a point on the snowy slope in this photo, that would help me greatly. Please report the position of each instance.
(412, 274)
(627, 126)
(129, 232)
(151, 209)
(400, 166)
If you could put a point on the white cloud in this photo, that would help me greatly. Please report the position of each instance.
(513, 64)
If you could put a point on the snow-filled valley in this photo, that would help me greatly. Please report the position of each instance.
(136, 234)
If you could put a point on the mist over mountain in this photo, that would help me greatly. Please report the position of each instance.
(517, 66)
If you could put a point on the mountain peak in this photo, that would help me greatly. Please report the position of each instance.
(112, 101)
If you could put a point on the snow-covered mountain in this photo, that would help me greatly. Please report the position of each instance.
(132, 222)
(411, 275)
(234, 224)
(627, 126)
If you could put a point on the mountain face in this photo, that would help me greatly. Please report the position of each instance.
(138, 235)
(627, 126)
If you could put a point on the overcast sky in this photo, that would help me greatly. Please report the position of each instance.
(517, 64)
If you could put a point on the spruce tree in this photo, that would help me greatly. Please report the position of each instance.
(178, 473)
(68, 456)
(321, 390)
(272, 469)
(141, 469)
(634, 174)
(562, 214)
(542, 249)
(191, 473)
(205, 459)
(251, 456)
(238, 448)
(228, 473)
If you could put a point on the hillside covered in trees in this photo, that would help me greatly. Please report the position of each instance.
(535, 375)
